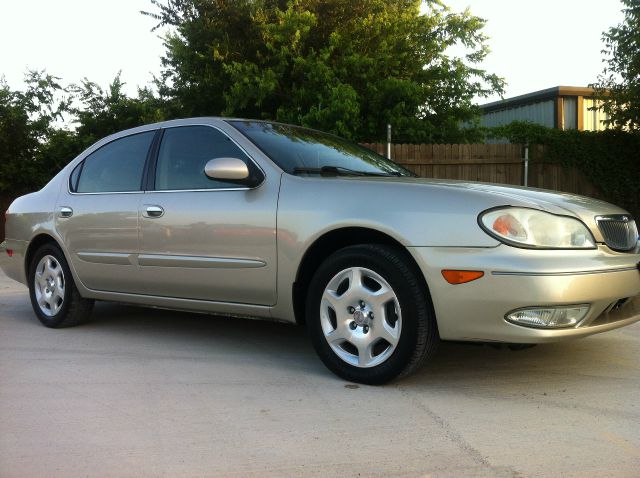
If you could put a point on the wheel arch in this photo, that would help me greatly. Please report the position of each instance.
(332, 241)
(36, 242)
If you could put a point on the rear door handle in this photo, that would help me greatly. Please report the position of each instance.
(66, 211)
(153, 211)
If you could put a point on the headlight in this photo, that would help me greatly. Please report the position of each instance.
(532, 228)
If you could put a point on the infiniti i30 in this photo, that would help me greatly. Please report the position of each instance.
(267, 220)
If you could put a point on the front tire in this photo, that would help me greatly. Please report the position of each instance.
(54, 296)
(369, 316)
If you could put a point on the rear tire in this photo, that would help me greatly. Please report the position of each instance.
(54, 296)
(369, 316)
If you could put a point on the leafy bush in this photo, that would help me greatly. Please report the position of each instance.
(27, 125)
(35, 143)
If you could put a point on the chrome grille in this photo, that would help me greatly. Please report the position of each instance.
(620, 233)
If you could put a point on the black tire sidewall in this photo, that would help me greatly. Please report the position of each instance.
(412, 313)
(57, 319)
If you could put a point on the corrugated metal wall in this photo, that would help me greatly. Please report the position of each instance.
(541, 113)
(593, 119)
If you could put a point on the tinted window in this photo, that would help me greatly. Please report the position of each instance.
(185, 151)
(117, 166)
(300, 150)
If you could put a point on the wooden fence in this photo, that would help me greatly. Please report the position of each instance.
(492, 163)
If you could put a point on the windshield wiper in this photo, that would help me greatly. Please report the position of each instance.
(340, 170)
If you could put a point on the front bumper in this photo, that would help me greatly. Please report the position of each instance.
(517, 278)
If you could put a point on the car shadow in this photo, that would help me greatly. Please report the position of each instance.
(220, 339)
(272, 344)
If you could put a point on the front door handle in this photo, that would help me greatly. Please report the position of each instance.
(66, 211)
(153, 211)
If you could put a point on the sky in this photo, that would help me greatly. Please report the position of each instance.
(535, 44)
(77, 38)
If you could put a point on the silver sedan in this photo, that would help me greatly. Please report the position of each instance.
(267, 220)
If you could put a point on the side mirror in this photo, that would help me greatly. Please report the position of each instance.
(226, 168)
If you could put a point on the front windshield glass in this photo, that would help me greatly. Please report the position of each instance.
(300, 150)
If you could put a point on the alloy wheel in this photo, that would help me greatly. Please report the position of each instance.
(360, 317)
(49, 285)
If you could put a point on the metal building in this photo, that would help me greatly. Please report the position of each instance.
(562, 107)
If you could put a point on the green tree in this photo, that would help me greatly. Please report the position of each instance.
(348, 67)
(619, 84)
(35, 138)
(100, 112)
(28, 121)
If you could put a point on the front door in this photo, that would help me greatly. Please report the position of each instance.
(203, 238)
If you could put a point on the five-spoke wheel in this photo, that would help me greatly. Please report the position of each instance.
(369, 314)
(48, 282)
(54, 296)
(361, 317)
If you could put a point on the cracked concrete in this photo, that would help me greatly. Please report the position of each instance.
(141, 392)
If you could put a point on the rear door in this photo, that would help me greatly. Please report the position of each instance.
(97, 215)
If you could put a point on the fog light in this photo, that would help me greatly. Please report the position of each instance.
(548, 317)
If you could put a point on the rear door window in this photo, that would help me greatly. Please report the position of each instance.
(116, 167)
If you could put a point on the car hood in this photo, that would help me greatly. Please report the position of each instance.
(582, 207)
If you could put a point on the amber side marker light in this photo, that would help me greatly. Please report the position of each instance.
(460, 277)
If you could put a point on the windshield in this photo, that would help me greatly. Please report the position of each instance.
(300, 150)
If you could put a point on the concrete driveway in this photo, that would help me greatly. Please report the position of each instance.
(140, 392)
